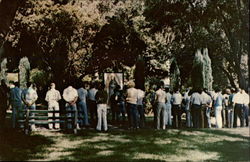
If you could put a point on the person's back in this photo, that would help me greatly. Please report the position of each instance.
(101, 97)
(161, 96)
(132, 95)
(15, 95)
(91, 94)
(82, 94)
(177, 98)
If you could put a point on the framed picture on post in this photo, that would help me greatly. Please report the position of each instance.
(111, 81)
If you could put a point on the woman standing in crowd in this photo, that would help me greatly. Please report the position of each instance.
(131, 98)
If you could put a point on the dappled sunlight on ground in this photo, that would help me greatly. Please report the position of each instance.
(147, 144)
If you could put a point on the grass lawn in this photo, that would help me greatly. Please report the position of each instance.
(127, 145)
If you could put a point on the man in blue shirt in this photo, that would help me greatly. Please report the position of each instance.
(16, 103)
(218, 99)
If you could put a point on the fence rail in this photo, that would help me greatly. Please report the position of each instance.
(34, 117)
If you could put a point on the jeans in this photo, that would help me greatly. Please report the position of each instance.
(161, 109)
(122, 110)
(230, 117)
(177, 112)
(239, 112)
(208, 118)
(133, 115)
(218, 116)
(102, 117)
(168, 114)
(83, 113)
(16, 107)
(246, 112)
(53, 106)
(141, 115)
(73, 115)
(196, 115)
(188, 119)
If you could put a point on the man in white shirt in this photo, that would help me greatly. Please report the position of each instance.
(29, 98)
(245, 106)
(186, 99)
(131, 98)
(177, 112)
(238, 102)
(195, 104)
(70, 95)
(52, 97)
(161, 97)
(168, 113)
(206, 109)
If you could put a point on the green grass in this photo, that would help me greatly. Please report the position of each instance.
(127, 145)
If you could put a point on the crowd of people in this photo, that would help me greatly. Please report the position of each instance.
(127, 105)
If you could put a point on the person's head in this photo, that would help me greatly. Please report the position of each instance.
(131, 84)
(205, 90)
(100, 86)
(53, 86)
(29, 84)
(232, 90)
(238, 90)
(227, 91)
(3, 82)
(176, 90)
(16, 84)
(167, 89)
(217, 90)
(160, 85)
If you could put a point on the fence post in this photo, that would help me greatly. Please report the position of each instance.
(26, 126)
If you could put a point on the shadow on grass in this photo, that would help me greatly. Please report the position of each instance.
(151, 145)
(15, 145)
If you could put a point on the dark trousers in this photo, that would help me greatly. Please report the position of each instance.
(93, 111)
(133, 115)
(246, 113)
(196, 115)
(141, 115)
(177, 112)
(3, 113)
(202, 116)
(239, 112)
(128, 114)
(115, 112)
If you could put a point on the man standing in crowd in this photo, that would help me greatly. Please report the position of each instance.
(218, 101)
(92, 103)
(206, 109)
(196, 102)
(140, 107)
(131, 98)
(168, 113)
(161, 97)
(52, 97)
(82, 105)
(101, 100)
(230, 111)
(245, 106)
(186, 99)
(225, 107)
(70, 95)
(238, 102)
(29, 98)
(177, 111)
(16, 103)
(4, 91)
